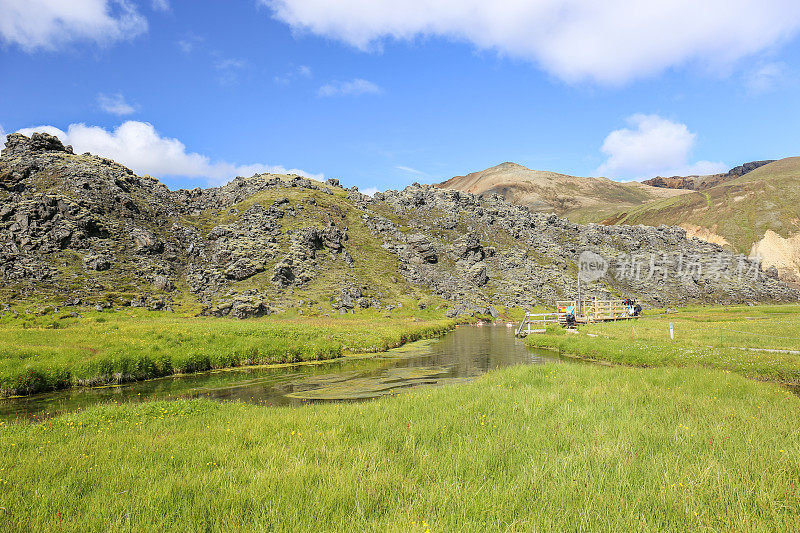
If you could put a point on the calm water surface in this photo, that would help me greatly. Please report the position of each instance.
(460, 355)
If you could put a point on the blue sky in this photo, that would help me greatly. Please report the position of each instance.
(380, 95)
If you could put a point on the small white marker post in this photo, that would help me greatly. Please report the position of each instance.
(671, 332)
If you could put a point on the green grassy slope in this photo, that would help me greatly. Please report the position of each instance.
(741, 210)
(787, 168)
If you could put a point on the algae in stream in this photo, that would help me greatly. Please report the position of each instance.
(361, 388)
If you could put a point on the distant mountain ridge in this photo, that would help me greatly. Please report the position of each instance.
(699, 183)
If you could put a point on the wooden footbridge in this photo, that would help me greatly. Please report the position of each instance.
(571, 312)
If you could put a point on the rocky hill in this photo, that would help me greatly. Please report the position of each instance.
(580, 199)
(84, 230)
(751, 209)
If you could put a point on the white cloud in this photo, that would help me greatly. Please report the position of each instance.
(2, 137)
(161, 5)
(188, 44)
(652, 146)
(230, 63)
(369, 191)
(411, 170)
(609, 41)
(139, 146)
(353, 87)
(48, 24)
(765, 78)
(115, 104)
(228, 69)
(295, 73)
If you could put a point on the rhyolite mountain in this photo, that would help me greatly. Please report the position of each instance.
(578, 198)
(752, 209)
(84, 230)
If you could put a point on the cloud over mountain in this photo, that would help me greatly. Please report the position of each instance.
(651, 146)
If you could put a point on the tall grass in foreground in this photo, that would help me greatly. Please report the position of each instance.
(557, 447)
(743, 339)
(48, 353)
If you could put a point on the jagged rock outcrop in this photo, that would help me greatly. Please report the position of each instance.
(81, 228)
(672, 182)
(701, 183)
(741, 170)
(468, 249)
(420, 249)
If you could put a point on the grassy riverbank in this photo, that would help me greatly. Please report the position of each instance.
(40, 353)
(753, 341)
(557, 447)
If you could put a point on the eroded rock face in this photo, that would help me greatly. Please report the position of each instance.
(781, 255)
(283, 274)
(243, 268)
(420, 249)
(350, 298)
(249, 304)
(97, 262)
(468, 249)
(301, 263)
(146, 242)
(163, 283)
(477, 274)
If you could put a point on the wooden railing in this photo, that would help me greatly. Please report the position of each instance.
(536, 323)
(593, 310)
(590, 310)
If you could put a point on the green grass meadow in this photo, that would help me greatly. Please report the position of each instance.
(665, 441)
(554, 447)
(754, 341)
(41, 353)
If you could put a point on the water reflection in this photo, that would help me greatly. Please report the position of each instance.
(458, 356)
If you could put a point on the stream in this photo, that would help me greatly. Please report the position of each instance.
(458, 356)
